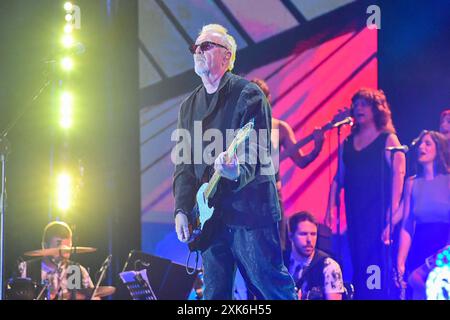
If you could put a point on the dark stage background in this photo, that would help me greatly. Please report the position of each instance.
(414, 69)
(103, 145)
(136, 69)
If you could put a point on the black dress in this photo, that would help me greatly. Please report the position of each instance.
(367, 195)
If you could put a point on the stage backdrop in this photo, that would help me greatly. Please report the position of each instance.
(314, 56)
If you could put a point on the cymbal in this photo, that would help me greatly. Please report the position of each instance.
(83, 294)
(58, 251)
(105, 291)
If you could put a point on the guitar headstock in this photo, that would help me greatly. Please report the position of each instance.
(241, 136)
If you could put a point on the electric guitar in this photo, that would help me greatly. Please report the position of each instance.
(436, 260)
(202, 212)
(342, 117)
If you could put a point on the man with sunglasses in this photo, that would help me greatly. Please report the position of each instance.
(246, 206)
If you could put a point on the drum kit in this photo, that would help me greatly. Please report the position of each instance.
(27, 289)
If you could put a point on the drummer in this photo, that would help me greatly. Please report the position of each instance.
(54, 270)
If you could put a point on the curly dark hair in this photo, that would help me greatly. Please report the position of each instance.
(380, 108)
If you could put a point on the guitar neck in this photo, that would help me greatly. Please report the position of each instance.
(289, 152)
(240, 137)
(212, 184)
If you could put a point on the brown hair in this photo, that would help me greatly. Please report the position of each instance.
(56, 229)
(300, 217)
(441, 163)
(380, 108)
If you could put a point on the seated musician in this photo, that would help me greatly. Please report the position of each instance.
(54, 270)
(316, 274)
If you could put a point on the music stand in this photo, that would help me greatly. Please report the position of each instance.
(138, 285)
(169, 280)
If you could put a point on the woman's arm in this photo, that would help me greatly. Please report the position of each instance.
(398, 168)
(288, 141)
(407, 230)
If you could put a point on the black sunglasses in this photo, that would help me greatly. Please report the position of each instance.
(205, 46)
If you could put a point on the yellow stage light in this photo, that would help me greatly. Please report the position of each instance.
(68, 28)
(67, 63)
(68, 6)
(66, 110)
(67, 41)
(64, 191)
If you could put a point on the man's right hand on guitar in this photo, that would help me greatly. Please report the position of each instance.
(182, 227)
(227, 167)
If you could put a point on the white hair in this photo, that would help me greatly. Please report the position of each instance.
(228, 39)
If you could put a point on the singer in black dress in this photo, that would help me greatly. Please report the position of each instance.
(365, 177)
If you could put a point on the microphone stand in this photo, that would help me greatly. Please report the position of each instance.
(389, 251)
(2, 217)
(5, 149)
(337, 196)
(389, 269)
(45, 288)
(103, 269)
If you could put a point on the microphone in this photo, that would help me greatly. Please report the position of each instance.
(106, 263)
(402, 148)
(347, 120)
(128, 260)
(419, 137)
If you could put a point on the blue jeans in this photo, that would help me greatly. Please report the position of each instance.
(257, 254)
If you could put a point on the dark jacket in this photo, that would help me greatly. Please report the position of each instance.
(312, 280)
(252, 200)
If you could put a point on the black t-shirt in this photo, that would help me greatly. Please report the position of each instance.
(208, 99)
